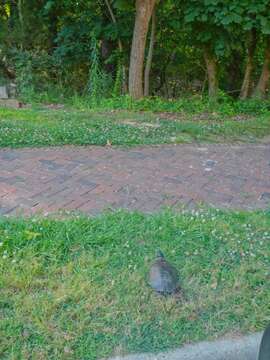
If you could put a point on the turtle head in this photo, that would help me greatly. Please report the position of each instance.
(160, 254)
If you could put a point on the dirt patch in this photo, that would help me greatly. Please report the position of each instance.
(12, 103)
(265, 140)
(179, 116)
(53, 106)
(139, 124)
(206, 116)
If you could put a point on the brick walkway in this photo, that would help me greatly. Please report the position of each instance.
(95, 178)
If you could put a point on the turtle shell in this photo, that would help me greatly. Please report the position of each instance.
(163, 277)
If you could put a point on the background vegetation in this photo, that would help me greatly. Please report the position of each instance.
(58, 49)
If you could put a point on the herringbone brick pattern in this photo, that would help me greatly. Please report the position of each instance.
(92, 179)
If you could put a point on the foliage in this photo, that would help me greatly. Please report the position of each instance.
(117, 87)
(99, 81)
(63, 33)
(33, 73)
(76, 288)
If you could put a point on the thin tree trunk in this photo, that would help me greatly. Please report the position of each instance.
(106, 49)
(204, 83)
(120, 47)
(234, 77)
(20, 12)
(21, 19)
(13, 15)
(260, 90)
(150, 55)
(245, 89)
(52, 31)
(211, 67)
(144, 9)
(163, 71)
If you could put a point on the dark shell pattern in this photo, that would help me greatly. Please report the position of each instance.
(163, 277)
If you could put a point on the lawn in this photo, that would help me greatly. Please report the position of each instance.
(75, 288)
(49, 127)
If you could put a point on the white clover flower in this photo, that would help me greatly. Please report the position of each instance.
(4, 256)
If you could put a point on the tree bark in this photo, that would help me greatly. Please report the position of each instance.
(144, 9)
(211, 68)
(245, 89)
(150, 55)
(260, 90)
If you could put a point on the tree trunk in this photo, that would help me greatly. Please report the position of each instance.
(245, 89)
(144, 9)
(52, 31)
(150, 55)
(107, 48)
(20, 12)
(211, 67)
(120, 47)
(21, 19)
(260, 90)
(13, 15)
(234, 77)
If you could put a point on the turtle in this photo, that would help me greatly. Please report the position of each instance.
(163, 277)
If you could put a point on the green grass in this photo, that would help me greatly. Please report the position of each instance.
(187, 103)
(76, 288)
(44, 127)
